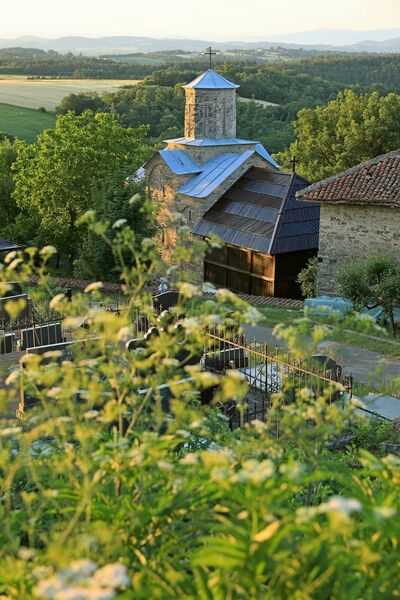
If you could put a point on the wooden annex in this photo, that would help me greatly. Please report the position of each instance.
(268, 234)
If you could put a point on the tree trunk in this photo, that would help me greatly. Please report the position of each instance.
(71, 260)
(392, 322)
(71, 257)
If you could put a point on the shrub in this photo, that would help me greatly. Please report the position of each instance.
(109, 490)
(308, 278)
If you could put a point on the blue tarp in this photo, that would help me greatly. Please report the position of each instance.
(326, 305)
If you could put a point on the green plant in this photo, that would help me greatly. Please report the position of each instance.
(105, 475)
(373, 281)
(308, 278)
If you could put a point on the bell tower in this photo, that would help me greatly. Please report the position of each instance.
(210, 111)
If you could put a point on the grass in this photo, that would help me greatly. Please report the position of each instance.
(34, 93)
(354, 338)
(24, 123)
(272, 316)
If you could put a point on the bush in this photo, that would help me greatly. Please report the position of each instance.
(308, 278)
(107, 490)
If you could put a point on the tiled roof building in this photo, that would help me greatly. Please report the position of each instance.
(376, 181)
(360, 215)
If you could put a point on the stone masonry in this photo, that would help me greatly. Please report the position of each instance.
(210, 114)
(210, 122)
(351, 232)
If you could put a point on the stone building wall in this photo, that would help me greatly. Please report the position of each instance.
(177, 208)
(210, 113)
(349, 232)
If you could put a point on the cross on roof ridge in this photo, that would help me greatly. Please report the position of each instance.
(209, 52)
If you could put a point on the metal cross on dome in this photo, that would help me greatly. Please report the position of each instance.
(209, 52)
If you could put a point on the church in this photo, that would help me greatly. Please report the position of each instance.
(232, 189)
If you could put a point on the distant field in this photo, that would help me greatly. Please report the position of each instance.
(48, 93)
(24, 123)
(260, 102)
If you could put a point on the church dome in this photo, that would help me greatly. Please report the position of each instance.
(211, 80)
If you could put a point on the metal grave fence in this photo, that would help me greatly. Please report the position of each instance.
(271, 371)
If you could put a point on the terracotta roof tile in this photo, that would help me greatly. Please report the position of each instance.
(376, 181)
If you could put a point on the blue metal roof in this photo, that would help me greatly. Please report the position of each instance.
(212, 142)
(214, 172)
(180, 162)
(211, 80)
(6, 246)
(263, 152)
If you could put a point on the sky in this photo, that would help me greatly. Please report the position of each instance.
(205, 19)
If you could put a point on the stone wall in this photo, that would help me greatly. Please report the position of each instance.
(349, 232)
(210, 113)
(163, 184)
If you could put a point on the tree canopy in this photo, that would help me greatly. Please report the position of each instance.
(8, 208)
(116, 202)
(372, 282)
(55, 178)
(343, 133)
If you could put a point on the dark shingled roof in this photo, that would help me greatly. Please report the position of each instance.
(376, 181)
(6, 246)
(260, 212)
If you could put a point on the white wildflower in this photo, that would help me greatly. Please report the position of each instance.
(91, 414)
(48, 588)
(184, 433)
(82, 568)
(55, 302)
(26, 553)
(119, 223)
(9, 257)
(114, 575)
(93, 287)
(191, 325)
(71, 593)
(339, 504)
(254, 471)
(48, 251)
(41, 572)
(190, 459)
(54, 392)
(10, 431)
(384, 512)
(12, 378)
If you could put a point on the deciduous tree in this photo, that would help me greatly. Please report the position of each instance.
(56, 177)
(374, 281)
(346, 131)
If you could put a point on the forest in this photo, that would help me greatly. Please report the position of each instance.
(327, 125)
(158, 102)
